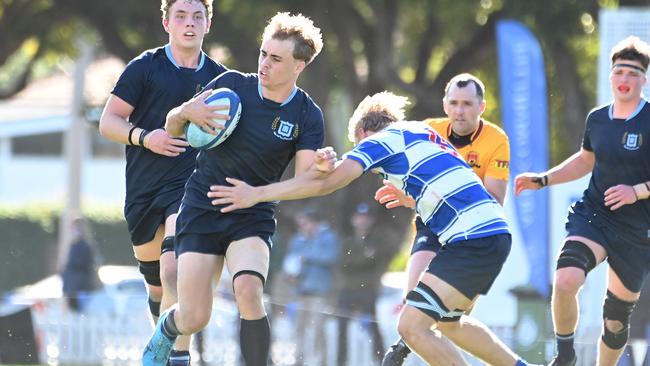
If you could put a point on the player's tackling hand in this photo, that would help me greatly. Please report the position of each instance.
(161, 143)
(203, 115)
(392, 196)
(618, 196)
(526, 181)
(325, 160)
(239, 195)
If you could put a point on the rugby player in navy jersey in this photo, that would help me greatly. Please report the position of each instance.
(158, 165)
(278, 122)
(612, 220)
(452, 202)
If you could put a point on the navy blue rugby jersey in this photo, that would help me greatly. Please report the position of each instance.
(622, 150)
(153, 84)
(263, 143)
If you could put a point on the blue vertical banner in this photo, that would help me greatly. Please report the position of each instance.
(522, 81)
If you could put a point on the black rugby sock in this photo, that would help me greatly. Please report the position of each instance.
(404, 347)
(154, 308)
(565, 349)
(255, 341)
(169, 328)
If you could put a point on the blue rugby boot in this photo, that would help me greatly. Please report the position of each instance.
(559, 362)
(157, 351)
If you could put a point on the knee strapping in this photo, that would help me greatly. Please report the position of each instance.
(249, 272)
(426, 300)
(617, 310)
(167, 244)
(151, 272)
(576, 254)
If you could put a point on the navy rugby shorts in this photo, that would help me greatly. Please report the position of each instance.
(471, 266)
(144, 218)
(211, 232)
(425, 239)
(628, 255)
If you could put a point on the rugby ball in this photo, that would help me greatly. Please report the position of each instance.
(199, 138)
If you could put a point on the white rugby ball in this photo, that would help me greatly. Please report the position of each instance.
(200, 139)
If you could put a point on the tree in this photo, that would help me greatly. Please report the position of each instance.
(411, 47)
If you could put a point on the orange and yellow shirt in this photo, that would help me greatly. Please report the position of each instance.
(488, 152)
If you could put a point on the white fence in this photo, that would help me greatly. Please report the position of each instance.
(68, 338)
(110, 339)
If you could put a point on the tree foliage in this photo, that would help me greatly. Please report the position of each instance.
(408, 46)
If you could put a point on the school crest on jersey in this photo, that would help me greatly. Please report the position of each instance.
(284, 130)
(632, 141)
(472, 159)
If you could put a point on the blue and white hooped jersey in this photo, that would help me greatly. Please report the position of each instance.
(449, 196)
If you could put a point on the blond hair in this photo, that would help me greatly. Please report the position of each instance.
(165, 5)
(375, 112)
(306, 37)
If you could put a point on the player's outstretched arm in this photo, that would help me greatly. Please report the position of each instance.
(532, 181)
(325, 160)
(392, 197)
(310, 183)
(574, 167)
(196, 111)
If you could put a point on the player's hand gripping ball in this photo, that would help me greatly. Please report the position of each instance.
(200, 139)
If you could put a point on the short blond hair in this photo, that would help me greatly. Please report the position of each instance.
(377, 111)
(306, 37)
(165, 5)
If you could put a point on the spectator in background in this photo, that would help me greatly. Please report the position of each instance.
(311, 260)
(640, 321)
(79, 274)
(277, 284)
(360, 285)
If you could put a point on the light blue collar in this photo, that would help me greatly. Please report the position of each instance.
(638, 109)
(293, 93)
(168, 52)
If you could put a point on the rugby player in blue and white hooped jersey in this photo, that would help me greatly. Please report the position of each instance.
(278, 122)
(425, 166)
(451, 200)
(612, 220)
(158, 165)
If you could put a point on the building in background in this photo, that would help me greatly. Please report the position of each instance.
(32, 126)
